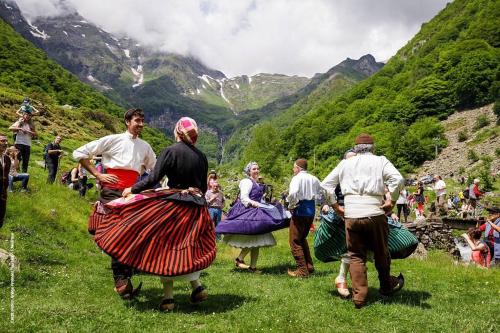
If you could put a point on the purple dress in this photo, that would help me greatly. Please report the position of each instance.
(254, 220)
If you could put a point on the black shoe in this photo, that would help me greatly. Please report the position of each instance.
(397, 285)
(199, 295)
(167, 304)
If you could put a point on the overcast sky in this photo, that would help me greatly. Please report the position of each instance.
(252, 36)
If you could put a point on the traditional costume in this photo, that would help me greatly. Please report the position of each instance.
(168, 232)
(330, 245)
(122, 156)
(302, 194)
(249, 222)
(362, 179)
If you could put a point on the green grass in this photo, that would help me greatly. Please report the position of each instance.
(65, 285)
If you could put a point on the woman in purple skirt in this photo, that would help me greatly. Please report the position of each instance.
(250, 221)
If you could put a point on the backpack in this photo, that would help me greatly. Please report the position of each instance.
(66, 178)
(46, 154)
(466, 193)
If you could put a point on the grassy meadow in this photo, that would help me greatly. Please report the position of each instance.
(65, 285)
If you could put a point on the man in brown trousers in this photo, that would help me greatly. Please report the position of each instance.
(304, 188)
(363, 179)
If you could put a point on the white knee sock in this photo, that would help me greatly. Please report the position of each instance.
(168, 288)
(344, 268)
(254, 255)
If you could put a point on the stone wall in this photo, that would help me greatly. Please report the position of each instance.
(433, 233)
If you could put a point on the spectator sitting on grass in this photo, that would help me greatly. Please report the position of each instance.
(79, 180)
(480, 251)
(14, 176)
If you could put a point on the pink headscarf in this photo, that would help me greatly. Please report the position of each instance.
(187, 130)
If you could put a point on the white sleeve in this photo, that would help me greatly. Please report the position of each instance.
(293, 190)
(93, 148)
(392, 178)
(150, 159)
(245, 188)
(331, 181)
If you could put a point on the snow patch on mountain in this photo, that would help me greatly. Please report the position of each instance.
(65, 33)
(206, 78)
(138, 76)
(127, 53)
(36, 32)
(83, 35)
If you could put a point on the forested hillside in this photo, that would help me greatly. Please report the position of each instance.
(451, 64)
(70, 107)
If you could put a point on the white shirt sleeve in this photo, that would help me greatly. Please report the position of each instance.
(331, 181)
(245, 188)
(293, 190)
(93, 148)
(150, 159)
(392, 178)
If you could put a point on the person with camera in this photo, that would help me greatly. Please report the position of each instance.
(304, 189)
(53, 154)
(250, 221)
(24, 131)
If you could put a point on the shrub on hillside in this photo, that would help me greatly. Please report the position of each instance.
(481, 121)
(462, 135)
(472, 155)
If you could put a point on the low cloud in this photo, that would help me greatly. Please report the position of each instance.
(252, 36)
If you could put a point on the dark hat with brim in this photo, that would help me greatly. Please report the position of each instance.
(493, 209)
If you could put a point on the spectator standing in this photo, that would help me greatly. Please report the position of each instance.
(52, 157)
(474, 195)
(492, 233)
(440, 189)
(4, 177)
(402, 205)
(215, 200)
(24, 133)
(420, 199)
(14, 175)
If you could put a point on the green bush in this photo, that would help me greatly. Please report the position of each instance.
(462, 135)
(481, 121)
(472, 155)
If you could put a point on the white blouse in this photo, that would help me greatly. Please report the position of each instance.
(245, 188)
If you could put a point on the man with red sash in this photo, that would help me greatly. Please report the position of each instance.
(123, 155)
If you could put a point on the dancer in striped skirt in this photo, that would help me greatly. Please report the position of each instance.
(167, 232)
(123, 155)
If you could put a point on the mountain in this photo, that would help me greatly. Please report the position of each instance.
(451, 64)
(70, 108)
(284, 111)
(130, 73)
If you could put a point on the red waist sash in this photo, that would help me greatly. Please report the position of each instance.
(126, 178)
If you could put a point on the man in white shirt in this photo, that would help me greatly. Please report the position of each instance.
(440, 189)
(304, 189)
(363, 179)
(123, 155)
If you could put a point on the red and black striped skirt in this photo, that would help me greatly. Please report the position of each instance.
(159, 236)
